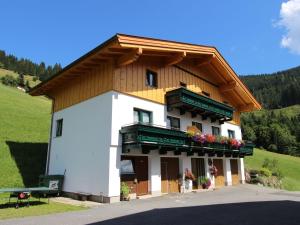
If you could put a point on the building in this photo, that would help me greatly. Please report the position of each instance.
(120, 112)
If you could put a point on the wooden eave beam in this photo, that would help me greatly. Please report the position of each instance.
(246, 108)
(228, 86)
(130, 57)
(177, 58)
(205, 60)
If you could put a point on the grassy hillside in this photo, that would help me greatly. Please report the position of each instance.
(32, 83)
(289, 165)
(24, 129)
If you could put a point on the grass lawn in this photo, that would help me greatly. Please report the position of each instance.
(24, 133)
(289, 165)
(35, 209)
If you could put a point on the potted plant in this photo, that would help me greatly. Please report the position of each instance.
(125, 190)
(205, 182)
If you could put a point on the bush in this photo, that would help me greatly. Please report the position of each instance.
(9, 80)
(278, 174)
(272, 148)
(271, 165)
(265, 172)
(125, 190)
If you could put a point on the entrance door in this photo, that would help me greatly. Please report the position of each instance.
(234, 172)
(137, 181)
(169, 175)
(198, 169)
(141, 166)
(219, 179)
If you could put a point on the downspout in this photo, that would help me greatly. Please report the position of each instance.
(50, 138)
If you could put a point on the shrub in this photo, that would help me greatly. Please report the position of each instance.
(9, 80)
(125, 190)
(278, 174)
(272, 165)
(272, 148)
(265, 172)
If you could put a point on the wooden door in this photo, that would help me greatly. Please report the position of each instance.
(219, 179)
(234, 172)
(169, 175)
(141, 168)
(198, 169)
(140, 164)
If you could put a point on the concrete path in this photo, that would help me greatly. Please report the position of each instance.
(239, 205)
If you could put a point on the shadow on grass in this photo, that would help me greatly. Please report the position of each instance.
(250, 213)
(23, 204)
(30, 159)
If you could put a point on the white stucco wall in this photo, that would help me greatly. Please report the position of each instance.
(90, 147)
(229, 126)
(122, 114)
(83, 149)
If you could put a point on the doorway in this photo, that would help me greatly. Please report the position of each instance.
(169, 175)
(219, 179)
(198, 169)
(234, 172)
(138, 179)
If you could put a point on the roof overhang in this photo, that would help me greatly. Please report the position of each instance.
(124, 49)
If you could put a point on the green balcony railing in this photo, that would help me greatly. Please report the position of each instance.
(148, 137)
(187, 100)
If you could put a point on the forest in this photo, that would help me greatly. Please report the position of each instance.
(271, 129)
(24, 66)
(276, 90)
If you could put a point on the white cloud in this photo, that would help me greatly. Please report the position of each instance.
(290, 20)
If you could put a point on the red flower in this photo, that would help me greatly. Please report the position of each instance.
(210, 138)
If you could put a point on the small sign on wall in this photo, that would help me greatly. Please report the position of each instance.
(53, 184)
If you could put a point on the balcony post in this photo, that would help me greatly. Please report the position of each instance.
(185, 163)
(207, 172)
(227, 169)
(154, 174)
(241, 170)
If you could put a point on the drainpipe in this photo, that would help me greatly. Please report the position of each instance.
(50, 137)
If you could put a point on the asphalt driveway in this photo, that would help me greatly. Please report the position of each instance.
(239, 205)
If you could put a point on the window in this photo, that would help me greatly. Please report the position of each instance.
(59, 127)
(182, 84)
(198, 125)
(206, 93)
(215, 130)
(231, 134)
(173, 122)
(142, 116)
(151, 78)
(127, 166)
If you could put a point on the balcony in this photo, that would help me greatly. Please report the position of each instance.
(188, 101)
(148, 137)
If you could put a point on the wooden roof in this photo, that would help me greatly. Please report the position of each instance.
(124, 49)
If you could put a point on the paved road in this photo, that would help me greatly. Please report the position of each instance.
(240, 205)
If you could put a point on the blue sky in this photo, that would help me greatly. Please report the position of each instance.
(249, 34)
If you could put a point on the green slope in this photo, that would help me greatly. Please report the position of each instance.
(32, 83)
(289, 165)
(287, 111)
(24, 129)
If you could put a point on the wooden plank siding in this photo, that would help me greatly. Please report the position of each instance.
(94, 82)
(131, 80)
